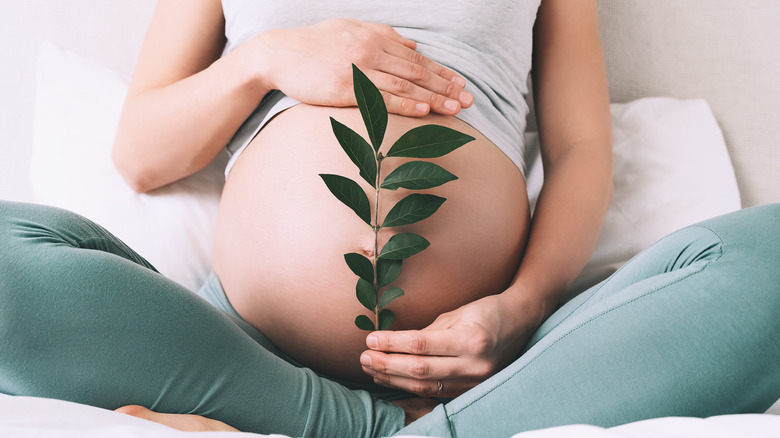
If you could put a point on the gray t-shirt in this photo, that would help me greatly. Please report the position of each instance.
(487, 42)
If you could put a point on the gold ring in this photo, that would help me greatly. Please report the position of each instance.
(441, 387)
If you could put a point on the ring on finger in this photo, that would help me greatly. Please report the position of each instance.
(440, 388)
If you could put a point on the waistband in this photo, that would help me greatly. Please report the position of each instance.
(213, 292)
(272, 104)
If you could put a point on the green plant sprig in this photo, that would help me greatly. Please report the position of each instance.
(373, 288)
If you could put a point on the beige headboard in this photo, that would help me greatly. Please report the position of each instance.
(725, 51)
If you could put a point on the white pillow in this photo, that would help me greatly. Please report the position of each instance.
(671, 169)
(77, 111)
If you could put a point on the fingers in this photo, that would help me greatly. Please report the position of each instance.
(460, 356)
(412, 84)
(406, 73)
(432, 92)
(405, 106)
(418, 64)
(420, 342)
(385, 30)
(427, 388)
(426, 376)
(422, 367)
(423, 376)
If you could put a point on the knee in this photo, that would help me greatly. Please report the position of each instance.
(32, 236)
(767, 214)
(753, 237)
(772, 211)
(27, 226)
(19, 220)
(11, 218)
(763, 228)
(8, 215)
(753, 227)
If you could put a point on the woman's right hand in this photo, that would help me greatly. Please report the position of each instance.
(313, 64)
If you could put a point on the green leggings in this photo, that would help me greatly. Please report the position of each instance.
(690, 327)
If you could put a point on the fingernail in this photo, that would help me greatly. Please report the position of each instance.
(365, 360)
(422, 107)
(465, 98)
(372, 342)
(459, 81)
(451, 105)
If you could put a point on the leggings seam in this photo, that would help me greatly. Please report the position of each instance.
(595, 317)
(450, 427)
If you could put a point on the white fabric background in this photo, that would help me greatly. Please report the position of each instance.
(725, 51)
(110, 31)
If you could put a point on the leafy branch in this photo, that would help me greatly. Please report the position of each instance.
(428, 141)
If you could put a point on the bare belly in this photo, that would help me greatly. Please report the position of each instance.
(281, 236)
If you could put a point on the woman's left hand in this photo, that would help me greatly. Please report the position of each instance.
(459, 350)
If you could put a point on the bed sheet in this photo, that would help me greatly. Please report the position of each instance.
(41, 417)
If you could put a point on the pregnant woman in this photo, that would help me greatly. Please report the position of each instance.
(281, 236)
(270, 346)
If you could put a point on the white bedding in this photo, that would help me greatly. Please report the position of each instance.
(39, 417)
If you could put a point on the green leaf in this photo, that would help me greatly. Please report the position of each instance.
(366, 294)
(411, 209)
(372, 107)
(386, 319)
(417, 175)
(389, 295)
(428, 141)
(388, 270)
(364, 323)
(350, 193)
(403, 245)
(358, 150)
(360, 265)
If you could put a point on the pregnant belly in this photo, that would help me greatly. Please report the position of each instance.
(281, 236)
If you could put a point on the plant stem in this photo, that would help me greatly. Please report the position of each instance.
(379, 158)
